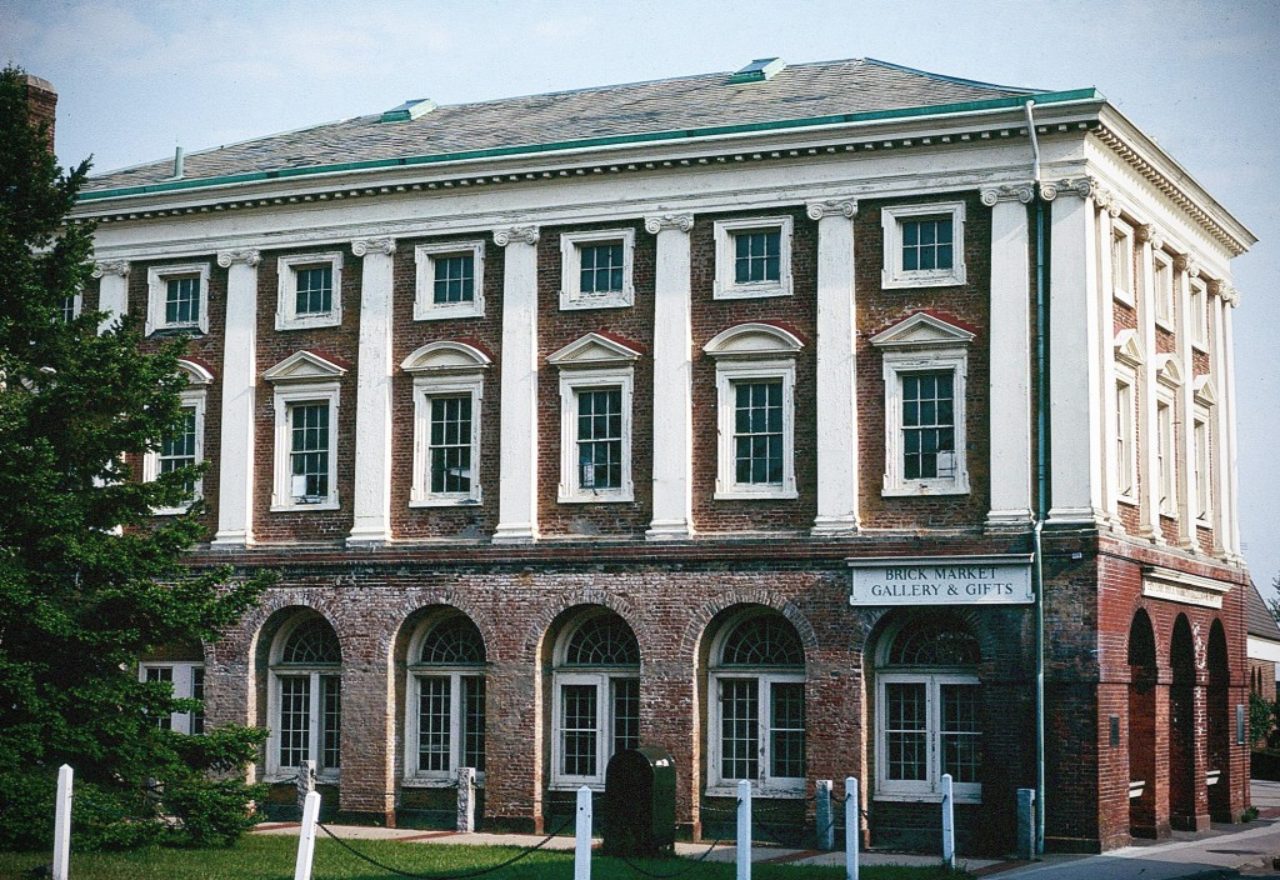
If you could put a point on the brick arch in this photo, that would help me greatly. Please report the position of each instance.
(308, 598)
(570, 599)
(890, 619)
(1158, 634)
(700, 619)
(398, 614)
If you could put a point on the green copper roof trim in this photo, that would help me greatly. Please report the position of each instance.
(642, 137)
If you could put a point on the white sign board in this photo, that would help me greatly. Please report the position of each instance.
(942, 580)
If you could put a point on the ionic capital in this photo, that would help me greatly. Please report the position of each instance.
(1083, 187)
(1149, 232)
(1021, 192)
(250, 257)
(847, 208)
(111, 267)
(655, 223)
(362, 246)
(520, 234)
(1187, 263)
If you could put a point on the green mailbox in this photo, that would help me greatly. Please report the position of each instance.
(640, 802)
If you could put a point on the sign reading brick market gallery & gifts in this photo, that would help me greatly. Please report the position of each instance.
(942, 580)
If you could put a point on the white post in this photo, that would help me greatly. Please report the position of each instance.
(852, 828)
(307, 837)
(823, 818)
(744, 830)
(62, 825)
(948, 824)
(582, 837)
(466, 820)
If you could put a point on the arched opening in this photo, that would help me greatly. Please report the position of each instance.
(1182, 744)
(304, 697)
(1142, 727)
(1219, 708)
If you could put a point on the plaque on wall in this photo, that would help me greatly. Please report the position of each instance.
(941, 580)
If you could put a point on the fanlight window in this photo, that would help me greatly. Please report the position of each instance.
(762, 641)
(453, 642)
(603, 641)
(312, 642)
(934, 643)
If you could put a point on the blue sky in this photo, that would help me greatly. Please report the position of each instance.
(137, 79)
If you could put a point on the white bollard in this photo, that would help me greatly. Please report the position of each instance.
(823, 818)
(466, 813)
(852, 827)
(948, 824)
(582, 837)
(307, 836)
(744, 830)
(62, 825)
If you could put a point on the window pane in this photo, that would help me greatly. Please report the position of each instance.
(961, 737)
(926, 243)
(599, 438)
(315, 290)
(182, 301)
(295, 723)
(454, 278)
(310, 452)
(473, 722)
(161, 674)
(433, 723)
(626, 713)
(578, 729)
(928, 434)
(757, 256)
(786, 729)
(449, 447)
(906, 737)
(758, 432)
(739, 728)
(197, 693)
(330, 722)
(601, 267)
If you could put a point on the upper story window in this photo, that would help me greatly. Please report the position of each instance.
(1205, 399)
(177, 298)
(1162, 288)
(1199, 316)
(596, 269)
(755, 408)
(306, 432)
(753, 257)
(448, 396)
(1128, 358)
(445, 713)
(450, 280)
(1169, 378)
(923, 245)
(69, 308)
(306, 697)
(184, 447)
(925, 368)
(310, 291)
(1122, 261)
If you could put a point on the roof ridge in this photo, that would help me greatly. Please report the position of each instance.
(958, 80)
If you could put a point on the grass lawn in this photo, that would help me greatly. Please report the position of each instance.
(272, 858)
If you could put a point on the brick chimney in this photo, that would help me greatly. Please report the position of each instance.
(42, 103)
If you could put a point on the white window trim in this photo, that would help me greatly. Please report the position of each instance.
(1123, 232)
(1127, 428)
(287, 317)
(725, 286)
(1199, 315)
(1202, 472)
(425, 388)
(158, 290)
(896, 365)
(572, 381)
(77, 304)
(183, 687)
(729, 372)
(893, 276)
(1169, 472)
(282, 498)
(602, 682)
(571, 295)
(424, 306)
(413, 774)
(766, 785)
(315, 746)
(1163, 293)
(192, 398)
(928, 790)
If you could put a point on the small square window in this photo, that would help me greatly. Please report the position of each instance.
(310, 291)
(923, 245)
(596, 269)
(178, 298)
(450, 280)
(753, 257)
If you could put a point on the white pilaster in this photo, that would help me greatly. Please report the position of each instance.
(1110, 426)
(518, 429)
(1222, 510)
(1184, 269)
(1010, 384)
(672, 380)
(837, 412)
(372, 491)
(1150, 240)
(239, 378)
(1231, 476)
(113, 291)
(1075, 359)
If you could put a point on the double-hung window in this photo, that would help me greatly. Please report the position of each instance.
(306, 692)
(1166, 459)
(69, 308)
(310, 291)
(596, 710)
(446, 701)
(186, 682)
(596, 269)
(306, 432)
(1126, 438)
(1122, 262)
(184, 446)
(448, 394)
(1199, 314)
(1162, 288)
(177, 298)
(450, 280)
(753, 257)
(1204, 400)
(923, 245)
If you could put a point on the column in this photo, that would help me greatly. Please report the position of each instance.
(518, 428)
(1186, 269)
(672, 380)
(1223, 512)
(1010, 386)
(239, 378)
(1231, 476)
(837, 411)
(1110, 426)
(1149, 238)
(113, 291)
(372, 493)
(1075, 359)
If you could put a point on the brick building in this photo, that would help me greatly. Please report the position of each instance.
(703, 413)
(1262, 644)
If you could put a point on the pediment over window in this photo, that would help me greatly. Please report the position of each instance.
(922, 330)
(593, 350)
(753, 340)
(196, 372)
(1128, 348)
(1167, 369)
(304, 366)
(1205, 394)
(446, 357)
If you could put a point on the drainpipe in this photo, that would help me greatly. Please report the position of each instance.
(1042, 485)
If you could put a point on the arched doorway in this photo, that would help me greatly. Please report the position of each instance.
(1219, 709)
(1182, 742)
(1142, 727)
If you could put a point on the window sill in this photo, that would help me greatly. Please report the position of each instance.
(436, 782)
(748, 495)
(1165, 324)
(445, 501)
(444, 313)
(329, 320)
(743, 292)
(291, 775)
(924, 490)
(1200, 345)
(304, 508)
(171, 511)
(1124, 298)
(562, 785)
(1127, 499)
(730, 790)
(603, 498)
(900, 282)
(926, 797)
(177, 330)
(582, 301)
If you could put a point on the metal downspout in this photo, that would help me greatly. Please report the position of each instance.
(1042, 488)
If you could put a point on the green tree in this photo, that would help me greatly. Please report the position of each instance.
(89, 580)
